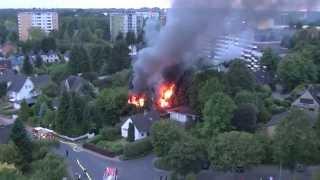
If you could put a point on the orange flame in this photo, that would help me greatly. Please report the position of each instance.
(166, 92)
(137, 100)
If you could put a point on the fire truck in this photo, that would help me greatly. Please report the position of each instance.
(110, 174)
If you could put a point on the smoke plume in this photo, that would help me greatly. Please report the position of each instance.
(191, 22)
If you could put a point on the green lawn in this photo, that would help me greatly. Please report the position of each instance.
(114, 146)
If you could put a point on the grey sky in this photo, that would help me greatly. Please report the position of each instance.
(83, 3)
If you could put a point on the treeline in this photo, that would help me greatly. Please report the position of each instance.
(23, 159)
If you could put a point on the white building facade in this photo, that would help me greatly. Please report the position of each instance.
(45, 20)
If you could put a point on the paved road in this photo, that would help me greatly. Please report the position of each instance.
(141, 169)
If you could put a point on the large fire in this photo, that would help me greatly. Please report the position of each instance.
(137, 100)
(165, 95)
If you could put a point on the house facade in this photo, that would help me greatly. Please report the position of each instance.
(20, 87)
(50, 58)
(182, 115)
(142, 124)
(137, 134)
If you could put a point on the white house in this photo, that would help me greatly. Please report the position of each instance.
(20, 87)
(142, 124)
(50, 58)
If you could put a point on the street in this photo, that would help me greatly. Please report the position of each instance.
(142, 169)
(95, 164)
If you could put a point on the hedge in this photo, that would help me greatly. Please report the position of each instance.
(101, 151)
(137, 149)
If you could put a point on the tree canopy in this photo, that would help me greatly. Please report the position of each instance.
(235, 149)
(295, 140)
(218, 112)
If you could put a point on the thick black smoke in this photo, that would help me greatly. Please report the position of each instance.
(189, 22)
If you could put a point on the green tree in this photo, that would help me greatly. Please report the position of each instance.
(62, 113)
(131, 38)
(120, 58)
(295, 70)
(50, 166)
(38, 62)
(217, 113)
(111, 103)
(245, 118)
(235, 149)
(24, 112)
(246, 97)
(48, 44)
(99, 55)
(36, 34)
(186, 156)
(239, 78)
(3, 89)
(9, 153)
(27, 66)
(131, 133)
(209, 87)
(23, 144)
(79, 60)
(317, 127)
(161, 136)
(198, 82)
(294, 140)
(120, 37)
(270, 60)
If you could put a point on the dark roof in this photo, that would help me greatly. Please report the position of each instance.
(5, 134)
(315, 92)
(41, 81)
(74, 83)
(144, 121)
(17, 83)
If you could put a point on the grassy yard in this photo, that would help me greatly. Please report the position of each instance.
(114, 146)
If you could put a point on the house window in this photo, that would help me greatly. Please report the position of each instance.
(142, 134)
(306, 101)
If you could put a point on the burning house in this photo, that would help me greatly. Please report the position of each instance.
(161, 69)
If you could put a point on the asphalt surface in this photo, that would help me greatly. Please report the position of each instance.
(141, 169)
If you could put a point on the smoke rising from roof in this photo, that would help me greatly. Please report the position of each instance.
(189, 22)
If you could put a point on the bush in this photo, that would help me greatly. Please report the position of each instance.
(115, 147)
(110, 133)
(191, 176)
(137, 149)
(316, 175)
(162, 164)
(96, 149)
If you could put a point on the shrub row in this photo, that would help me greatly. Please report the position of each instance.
(137, 149)
(101, 151)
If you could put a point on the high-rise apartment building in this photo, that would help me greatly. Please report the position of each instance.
(125, 22)
(46, 21)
